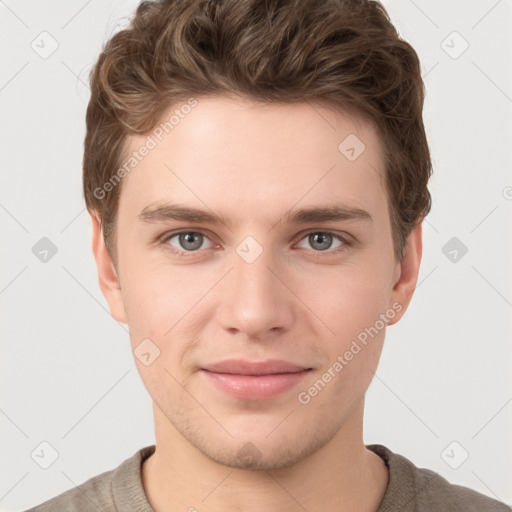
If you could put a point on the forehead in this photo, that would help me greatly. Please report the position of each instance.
(234, 153)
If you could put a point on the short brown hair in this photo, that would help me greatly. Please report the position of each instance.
(345, 53)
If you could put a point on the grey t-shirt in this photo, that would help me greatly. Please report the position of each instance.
(410, 489)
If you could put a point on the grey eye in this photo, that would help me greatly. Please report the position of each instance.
(188, 240)
(321, 241)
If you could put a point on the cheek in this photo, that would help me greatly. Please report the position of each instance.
(165, 306)
(161, 306)
(157, 296)
(347, 298)
(342, 382)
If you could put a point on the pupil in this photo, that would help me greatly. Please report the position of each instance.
(189, 238)
(322, 238)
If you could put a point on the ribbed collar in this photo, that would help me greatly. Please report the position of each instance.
(130, 496)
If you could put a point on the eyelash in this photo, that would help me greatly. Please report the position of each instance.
(186, 254)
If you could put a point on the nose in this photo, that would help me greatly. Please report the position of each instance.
(255, 299)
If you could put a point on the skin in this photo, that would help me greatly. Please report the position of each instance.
(248, 162)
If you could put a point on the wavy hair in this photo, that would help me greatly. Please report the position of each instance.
(345, 53)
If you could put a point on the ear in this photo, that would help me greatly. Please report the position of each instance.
(107, 274)
(406, 275)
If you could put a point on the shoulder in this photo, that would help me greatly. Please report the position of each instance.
(109, 491)
(413, 489)
(94, 494)
(436, 491)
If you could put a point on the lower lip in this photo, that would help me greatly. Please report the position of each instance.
(254, 387)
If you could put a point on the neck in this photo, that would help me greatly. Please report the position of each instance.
(342, 476)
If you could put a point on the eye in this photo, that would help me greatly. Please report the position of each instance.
(185, 241)
(322, 240)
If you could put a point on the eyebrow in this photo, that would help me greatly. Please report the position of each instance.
(165, 212)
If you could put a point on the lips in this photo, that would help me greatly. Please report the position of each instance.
(259, 380)
(242, 367)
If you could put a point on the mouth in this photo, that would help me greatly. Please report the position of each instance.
(247, 380)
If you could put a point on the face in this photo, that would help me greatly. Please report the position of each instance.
(291, 259)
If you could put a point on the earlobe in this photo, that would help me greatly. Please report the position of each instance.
(107, 275)
(408, 270)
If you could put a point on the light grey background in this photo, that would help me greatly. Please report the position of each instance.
(68, 375)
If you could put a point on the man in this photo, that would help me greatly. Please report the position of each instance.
(256, 174)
